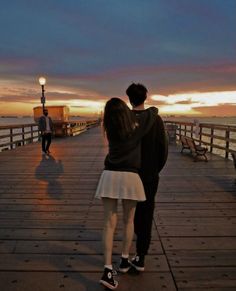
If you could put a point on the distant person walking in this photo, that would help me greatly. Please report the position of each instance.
(154, 151)
(46, 129)
(120, 179)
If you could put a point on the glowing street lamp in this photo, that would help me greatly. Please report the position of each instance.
(42, 82)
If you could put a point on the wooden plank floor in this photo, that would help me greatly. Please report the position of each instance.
(50, 224)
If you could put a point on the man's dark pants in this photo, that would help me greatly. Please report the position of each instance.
(46, 141)
(144, 217)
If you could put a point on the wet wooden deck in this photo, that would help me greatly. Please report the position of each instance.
(50, 224)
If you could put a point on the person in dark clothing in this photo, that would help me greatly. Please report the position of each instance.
(120, 179)
(46, 129)
(154, 152)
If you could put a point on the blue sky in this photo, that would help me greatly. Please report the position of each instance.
(97, 48)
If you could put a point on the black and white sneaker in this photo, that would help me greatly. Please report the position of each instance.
(138, 263)
(124, 265)
(108, 279)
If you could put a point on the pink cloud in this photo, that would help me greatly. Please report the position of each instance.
(50, 96)
(14, 61)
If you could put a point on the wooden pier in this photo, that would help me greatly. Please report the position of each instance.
(50, 224)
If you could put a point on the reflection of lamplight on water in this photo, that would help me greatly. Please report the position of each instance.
(42, 82)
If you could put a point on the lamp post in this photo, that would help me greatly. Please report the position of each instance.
(42, 82)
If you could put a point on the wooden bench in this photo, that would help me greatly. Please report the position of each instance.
(184, 143)
(196, 150)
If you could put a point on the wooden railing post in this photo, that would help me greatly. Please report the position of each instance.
(23, 135)
(200, 134)
(177, 127)
(212, 139)
(179, 130)
(11, 138)
(227, 135)
(32, 134)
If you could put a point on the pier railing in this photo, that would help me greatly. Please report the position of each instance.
(12, 136)
(220, 139)
(73, 127)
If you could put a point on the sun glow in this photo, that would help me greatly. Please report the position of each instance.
(19, 97)
(191, 103)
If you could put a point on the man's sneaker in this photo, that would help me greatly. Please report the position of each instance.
(108, 280)
(124, 265)
(138, 263)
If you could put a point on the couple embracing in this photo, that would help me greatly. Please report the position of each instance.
(138, 151)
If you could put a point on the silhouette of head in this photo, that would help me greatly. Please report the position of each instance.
(119, 120)
(45, 112)
(137, 94)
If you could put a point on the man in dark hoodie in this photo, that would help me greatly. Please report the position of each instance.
(46, 129)
(154, 152)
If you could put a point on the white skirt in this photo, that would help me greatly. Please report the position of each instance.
(120, 185)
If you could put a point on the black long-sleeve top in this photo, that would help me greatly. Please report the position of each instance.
(154, 149)
(125, 155)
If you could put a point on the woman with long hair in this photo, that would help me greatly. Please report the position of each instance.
(120, 179)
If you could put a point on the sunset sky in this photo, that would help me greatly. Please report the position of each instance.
(184, 51)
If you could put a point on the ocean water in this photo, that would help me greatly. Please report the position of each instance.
(16, 120)
(25, 120)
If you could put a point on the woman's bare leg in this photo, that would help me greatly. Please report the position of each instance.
(128, 220)
(110, 220)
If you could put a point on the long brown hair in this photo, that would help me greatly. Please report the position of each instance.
(119, 121)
